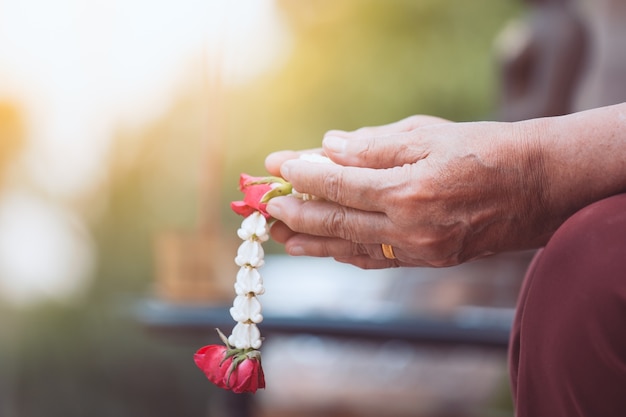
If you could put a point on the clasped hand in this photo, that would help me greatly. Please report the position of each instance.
(440, 193)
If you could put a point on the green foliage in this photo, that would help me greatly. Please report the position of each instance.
(357, 63)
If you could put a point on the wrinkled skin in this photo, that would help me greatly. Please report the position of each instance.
(443, 193)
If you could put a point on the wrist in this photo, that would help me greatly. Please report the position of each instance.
(533, 177)
(584, 158)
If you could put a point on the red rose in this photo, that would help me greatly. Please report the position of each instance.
(232, 369)
(247, 376)
(210, 359)
(254, 190)
(257, 192)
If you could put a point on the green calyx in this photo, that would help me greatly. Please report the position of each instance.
(238, 355)
(283, 188)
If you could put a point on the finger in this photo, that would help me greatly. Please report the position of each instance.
(274, 160)
(324, 218)
(384, 146)
(298, 244)
(280, 232)
(378, 152)
(307, 245)
(367, 256)
(359, 188)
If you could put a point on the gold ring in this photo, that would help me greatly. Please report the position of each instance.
(388, 251)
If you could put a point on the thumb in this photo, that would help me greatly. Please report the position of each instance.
(379, 147)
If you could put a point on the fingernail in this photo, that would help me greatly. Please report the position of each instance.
(296, 250)
(284, 170)
(335, 144)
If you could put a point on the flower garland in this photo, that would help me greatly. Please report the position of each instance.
(236, 366)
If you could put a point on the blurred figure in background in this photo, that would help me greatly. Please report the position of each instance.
(564, 56)
(603, 81)
(540, 57)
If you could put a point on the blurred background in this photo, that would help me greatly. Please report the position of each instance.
(123, 128)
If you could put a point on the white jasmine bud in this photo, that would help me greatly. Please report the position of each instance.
(245, 336)
(254, 227)
(250, 253)
(249, 281)
(246, 308)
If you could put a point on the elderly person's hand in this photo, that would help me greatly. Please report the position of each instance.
(442, 193)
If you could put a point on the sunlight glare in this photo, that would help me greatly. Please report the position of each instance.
(81, 70)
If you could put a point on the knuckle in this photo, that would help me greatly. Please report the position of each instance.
(365, 130)
(333, 224)
(365, 149)
(361, 249)
(333, 185)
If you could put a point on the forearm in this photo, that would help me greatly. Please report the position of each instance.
(583, 157)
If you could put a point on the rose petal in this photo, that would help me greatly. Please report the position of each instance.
(241, 208)
(248, 377)
(254, 189)
(253, 195)
(210, 359)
